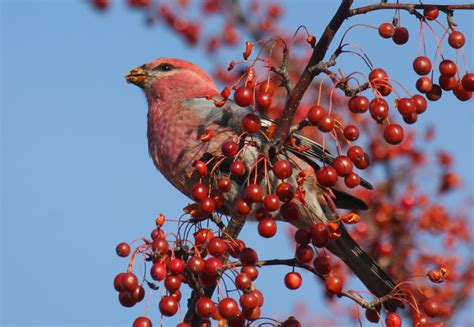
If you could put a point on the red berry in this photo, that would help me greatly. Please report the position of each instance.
(158, 271)
(352, 180)
(432, 307)
(176, 266)
(421, 321)
(200, 168)
(304, 253)
(351, 132)
(289, 211)
(228, 308)
(168, 306)
(123, 249)
(264, 100)
(248, 257)
(372, 315)
(343, 165)
(378, 109)
(242, 207)
(205, 307)
(461, 93)
(243, 96)
(248, 301)
(230, 148)
(142, 322)
(243, 282)
(125, 299)
(267, 227)
(117, 282)
(327, 176)
(212, 266)
(302, 236)
(393, 134)
(271, 202)
(285, 191)
(468, 82)
(447, 83)
(262, 213)
(424, 84)
(203, 235)
(216, 246)
(160, 245)
(250, 271)
(251, 123)
(199, 192)
(400, 36)
(435, 93)
(128, 282)
(406, 106)
(293, 280)
(422, 65)
(237, 168)
(448, 68)
(282, 169)
(393, 320)
(319, 234)
(207, 205)
(456, 39)
(411, 118)
(173, 282)
(333, 284)
(315, 114)
(326, 123)
(322, 264)
(224, 184)
(358, 104)
(430, 12)
(386, 30)
(420, 103)
(253, 193)
(196, 264)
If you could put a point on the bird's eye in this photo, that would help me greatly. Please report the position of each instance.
(164, 67)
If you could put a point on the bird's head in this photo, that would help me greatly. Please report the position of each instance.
(171, 78)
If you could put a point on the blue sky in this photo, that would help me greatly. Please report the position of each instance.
(76, 177)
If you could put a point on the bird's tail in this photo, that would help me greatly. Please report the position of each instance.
(365, 268)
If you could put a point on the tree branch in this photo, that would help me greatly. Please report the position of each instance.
(408, 7)
(319, 52)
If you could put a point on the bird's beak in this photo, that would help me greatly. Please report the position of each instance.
(137, 76)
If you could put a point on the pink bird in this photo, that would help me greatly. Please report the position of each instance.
(180, 111)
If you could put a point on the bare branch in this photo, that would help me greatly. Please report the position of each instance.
(408, 7)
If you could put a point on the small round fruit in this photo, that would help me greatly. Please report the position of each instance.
(264, 100)
(400, 35)
(242, 207)
(327, 176)
(224, 184)
(461, 93)
(326, 123)
(251, 123)
(248, 257)
(432, 307)
(243, 282)
(456, 39)
(243, 96)
(217, 246)
(435, 93)
(386, 30)
(285, 191)
(267, 227)
(271, 202)
(250, 271)
(424, 84)
(142, 322)
(319, 234)
(343, 165)
(128, 282)
(352, 180)
(293, 280)
(322, 264)
(431, 12)
(393, 134)
(207, 205)
(302, 236)
(333, 284)
(199, 192)
(358, 104)
(468, 82)
(422, 65)
(248, 301)
(230, 148)
(289, 211)
(237, 168)
(212, 266)
(393, 320)
(315, 114)
(448, 68)
(168, 306)
(378, 109)
(228, 308)
(282, 169)
(406, 106)
(158, 271)
(123, 250)
(304, 253)
(420, 103)
(205, 307)
(253, 193)
(351, 132)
